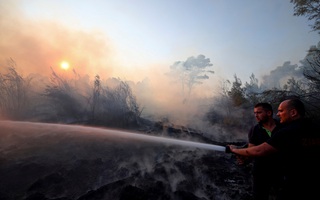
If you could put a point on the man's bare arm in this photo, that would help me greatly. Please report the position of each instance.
(254, 151)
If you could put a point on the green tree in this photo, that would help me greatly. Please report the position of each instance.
(237, 93)
(252, 90)
(310, 9)
(311, 68)
(222, 106)
(311, 71)
(190, 72)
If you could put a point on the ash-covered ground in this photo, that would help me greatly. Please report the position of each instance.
(69, 162)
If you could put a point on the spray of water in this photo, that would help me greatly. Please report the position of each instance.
(163, 140)
(156, 139)
(119, 134)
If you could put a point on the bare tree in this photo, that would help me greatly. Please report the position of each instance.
(14, 93)
(95, 100)
(67, 104)
(118, 106)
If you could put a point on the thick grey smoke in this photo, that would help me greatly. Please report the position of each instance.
(279, 76)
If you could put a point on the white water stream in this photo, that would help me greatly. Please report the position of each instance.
(119, 134)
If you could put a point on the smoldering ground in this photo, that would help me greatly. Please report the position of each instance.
(75, 162)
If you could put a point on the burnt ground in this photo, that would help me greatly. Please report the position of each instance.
(58, 162)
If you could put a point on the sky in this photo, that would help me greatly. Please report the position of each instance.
(133, 39)
(140, 41)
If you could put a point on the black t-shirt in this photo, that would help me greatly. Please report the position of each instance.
(268, 164)
(299, 146)
(258, 135)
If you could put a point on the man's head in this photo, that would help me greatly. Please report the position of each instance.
(290, 109)
(263, 112)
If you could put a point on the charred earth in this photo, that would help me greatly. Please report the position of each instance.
(41, 161)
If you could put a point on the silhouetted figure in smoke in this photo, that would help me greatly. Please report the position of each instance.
(298, 143)
(266, 174)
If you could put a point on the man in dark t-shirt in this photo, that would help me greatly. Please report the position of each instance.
(298, 144)
(266, 171)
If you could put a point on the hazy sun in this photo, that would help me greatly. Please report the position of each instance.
(64, 65)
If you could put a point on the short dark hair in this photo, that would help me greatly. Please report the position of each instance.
(265, 106)
(297, 104)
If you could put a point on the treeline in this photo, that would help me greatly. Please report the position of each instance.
(61, 100)
(112, 103)
(234, 106)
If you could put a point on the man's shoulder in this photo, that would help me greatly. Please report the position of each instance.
(256, 127)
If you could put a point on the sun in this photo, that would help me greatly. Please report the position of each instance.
(64, 65)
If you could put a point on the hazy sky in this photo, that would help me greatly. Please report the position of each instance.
(131, 39)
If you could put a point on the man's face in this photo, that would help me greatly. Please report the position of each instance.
(260, 114)
(283, 112)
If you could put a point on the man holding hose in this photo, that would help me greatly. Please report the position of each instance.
(298, 144)
(266, 173)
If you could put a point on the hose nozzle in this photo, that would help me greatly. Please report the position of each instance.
(228, 150)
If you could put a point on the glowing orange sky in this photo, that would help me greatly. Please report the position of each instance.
(35, 47)
(117, 39)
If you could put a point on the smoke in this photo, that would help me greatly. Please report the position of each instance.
(38, 45)
(280, 75)
(181, 92)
